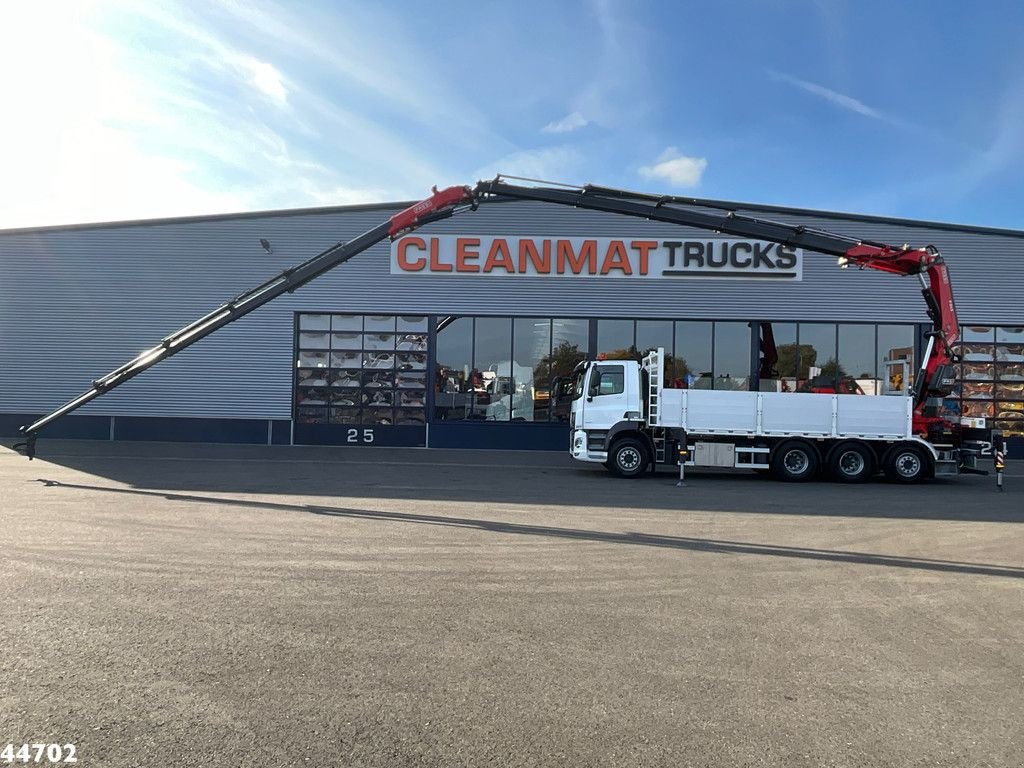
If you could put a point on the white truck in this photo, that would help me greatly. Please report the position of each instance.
(623, 416)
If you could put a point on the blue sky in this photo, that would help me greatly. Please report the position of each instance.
(126, 110)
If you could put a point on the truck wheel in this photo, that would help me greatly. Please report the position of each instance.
(794, 462)
(906, 464)
(851, 463)
(628, 458)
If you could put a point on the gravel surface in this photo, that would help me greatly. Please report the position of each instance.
(191, 605)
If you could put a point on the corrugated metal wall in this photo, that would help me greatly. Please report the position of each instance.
(77, 302)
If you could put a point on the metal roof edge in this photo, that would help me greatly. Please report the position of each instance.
(399, 205)
(868, 218)
(199, 218)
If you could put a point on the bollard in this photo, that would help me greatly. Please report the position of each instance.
(999, 454)
(684, 454)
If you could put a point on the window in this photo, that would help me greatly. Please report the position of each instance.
(652, 334)
(895, 351)
(452, 401)
(531, 368)
(732, 356)
(780, 376)
(1009, 381)
(474, 369)
(503, 369)
(491, 378)
(690, 367)
(841, 358)
(992, 376)
(818, 365)
(570, 344)
(856, 369)
(611, 380)
(348, 370)
(615, 340)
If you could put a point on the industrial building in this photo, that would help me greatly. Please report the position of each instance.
(456, 335)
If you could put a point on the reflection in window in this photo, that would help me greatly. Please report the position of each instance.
(341, 322)
(615, 340)
(857, 360)
(896, 359)
(412, 323)
(992, 377)
(500, 369)
(491, 377)
(454, 363)
(818, 365)
(611, 380)
(983, 333)
(779, 357)
(570, 342)
(531, 344)
(319, 322)
(372, 323)
(314, 341)
(690, 366)
(732, 356)
(346, 372)
(652, 334)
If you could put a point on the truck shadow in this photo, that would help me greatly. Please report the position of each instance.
(491, 477)
(685, 543)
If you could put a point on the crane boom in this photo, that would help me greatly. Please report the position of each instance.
(935, 378)
(927, 263)
(439, 205)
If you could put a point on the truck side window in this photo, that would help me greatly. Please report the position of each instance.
(612, 380)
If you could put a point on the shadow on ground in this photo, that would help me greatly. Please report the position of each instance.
(603, 537)
(499, 477)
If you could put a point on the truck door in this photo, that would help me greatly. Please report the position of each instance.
(605, 401)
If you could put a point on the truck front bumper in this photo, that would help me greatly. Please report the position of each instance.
(578, 449)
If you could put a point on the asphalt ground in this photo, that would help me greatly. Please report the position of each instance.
(183, 605)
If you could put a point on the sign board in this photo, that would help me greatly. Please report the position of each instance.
(593, 257)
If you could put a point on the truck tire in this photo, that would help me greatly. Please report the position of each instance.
(795, 461)
(906, 464)
(851, 463)
(628, 458)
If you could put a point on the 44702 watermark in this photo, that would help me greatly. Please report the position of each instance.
(38, 752)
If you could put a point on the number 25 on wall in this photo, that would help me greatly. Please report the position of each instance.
(354, 436)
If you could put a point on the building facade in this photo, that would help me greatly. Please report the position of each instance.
(459, 334)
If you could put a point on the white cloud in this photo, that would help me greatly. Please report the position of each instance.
(551, 164)
(267, 79)
(839, 99)
(122, 130)
(203, 45)
(677, 169)
(567, 124)
(616, 94)
(371, 49)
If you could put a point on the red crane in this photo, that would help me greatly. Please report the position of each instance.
(935, 378)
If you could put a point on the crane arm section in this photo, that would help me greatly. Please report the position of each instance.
(439, 205)
(927, 263)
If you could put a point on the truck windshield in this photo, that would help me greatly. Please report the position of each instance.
(578, 375)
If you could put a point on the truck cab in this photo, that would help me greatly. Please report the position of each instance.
(606, 401)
